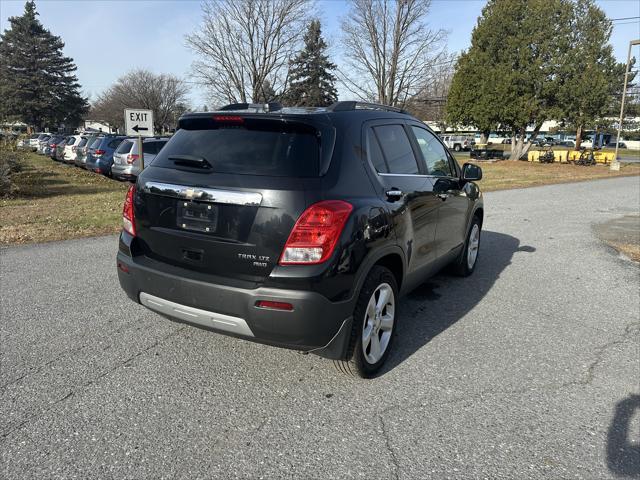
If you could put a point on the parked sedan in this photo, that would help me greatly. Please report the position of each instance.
(126, 159)
(613, 145)
(100, 158)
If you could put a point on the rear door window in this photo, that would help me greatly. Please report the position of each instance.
(375, 153)
(265, 148)
(397, 149)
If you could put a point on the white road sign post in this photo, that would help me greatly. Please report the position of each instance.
(139, 123)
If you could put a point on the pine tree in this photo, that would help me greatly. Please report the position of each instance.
(312, 83)
(37, 82)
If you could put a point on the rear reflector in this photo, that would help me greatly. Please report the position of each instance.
(128, 218)
(316, 233)
(123, 267)
(274, 305)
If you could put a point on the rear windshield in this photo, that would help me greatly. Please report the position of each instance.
(125, 147)
(94, 141)
(82, 142)
(272, 149)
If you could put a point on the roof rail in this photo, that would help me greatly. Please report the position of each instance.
(348, 105)
(257, 107)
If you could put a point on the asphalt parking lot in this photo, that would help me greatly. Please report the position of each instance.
(528, 369)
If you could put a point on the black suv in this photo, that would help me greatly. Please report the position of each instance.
(298, 228)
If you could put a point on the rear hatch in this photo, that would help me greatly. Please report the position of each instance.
(124, 149)
(224, 193)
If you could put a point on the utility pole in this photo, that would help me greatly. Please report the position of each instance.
(615, 164)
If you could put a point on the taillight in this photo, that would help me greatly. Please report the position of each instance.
(74, 149)
(97, 153)
(132, 157)
(316, 233)
(235, 119)
(128, 218)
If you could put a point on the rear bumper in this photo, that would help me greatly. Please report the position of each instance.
(126, 172)
(314, 325)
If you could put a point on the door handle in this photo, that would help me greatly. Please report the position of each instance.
(394, 194)
(442, 196)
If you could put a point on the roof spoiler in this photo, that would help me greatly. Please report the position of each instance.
(255, 107)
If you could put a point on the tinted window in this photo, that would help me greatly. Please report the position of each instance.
(115, 142)
(433, 152)
(82, 142)
(397, 149)
(375, 153)
(94, 142)
(71, 140)
(281, 151)
(152, 147)
(125, 146)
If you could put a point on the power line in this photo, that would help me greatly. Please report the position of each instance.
(623, 18)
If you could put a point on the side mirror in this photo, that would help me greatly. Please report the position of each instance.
(471, 172)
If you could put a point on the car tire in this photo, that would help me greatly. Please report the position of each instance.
(466, 263)
(457, 148)
(374, 322)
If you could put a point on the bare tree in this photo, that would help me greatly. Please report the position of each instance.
(429, 103)
(389, 49)
(244, 45)
(165, 94)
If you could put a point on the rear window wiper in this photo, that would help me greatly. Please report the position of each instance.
(190, 160)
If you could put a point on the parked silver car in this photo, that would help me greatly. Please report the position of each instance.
(82, 152)
(126, 159)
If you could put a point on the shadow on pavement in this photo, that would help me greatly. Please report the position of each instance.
(453, 301)
(623, 455)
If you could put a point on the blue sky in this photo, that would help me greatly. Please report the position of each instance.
(108, 38)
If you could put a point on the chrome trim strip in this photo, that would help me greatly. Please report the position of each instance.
(202, 194)
(205, 318)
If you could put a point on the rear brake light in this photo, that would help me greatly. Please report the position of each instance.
(274, 305)
(229, 119)
(316, 233)
(98, 152)
(132, 157)
(128, 218)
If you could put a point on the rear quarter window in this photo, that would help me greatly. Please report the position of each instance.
(282, 151)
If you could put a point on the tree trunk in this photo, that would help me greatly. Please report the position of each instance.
(578, 137)
(484, 137)
(520, 148)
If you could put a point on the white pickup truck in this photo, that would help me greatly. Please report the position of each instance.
(458, 142)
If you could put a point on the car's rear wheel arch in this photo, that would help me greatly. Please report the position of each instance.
(393, 262)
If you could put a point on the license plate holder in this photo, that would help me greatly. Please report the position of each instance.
(201, 217)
